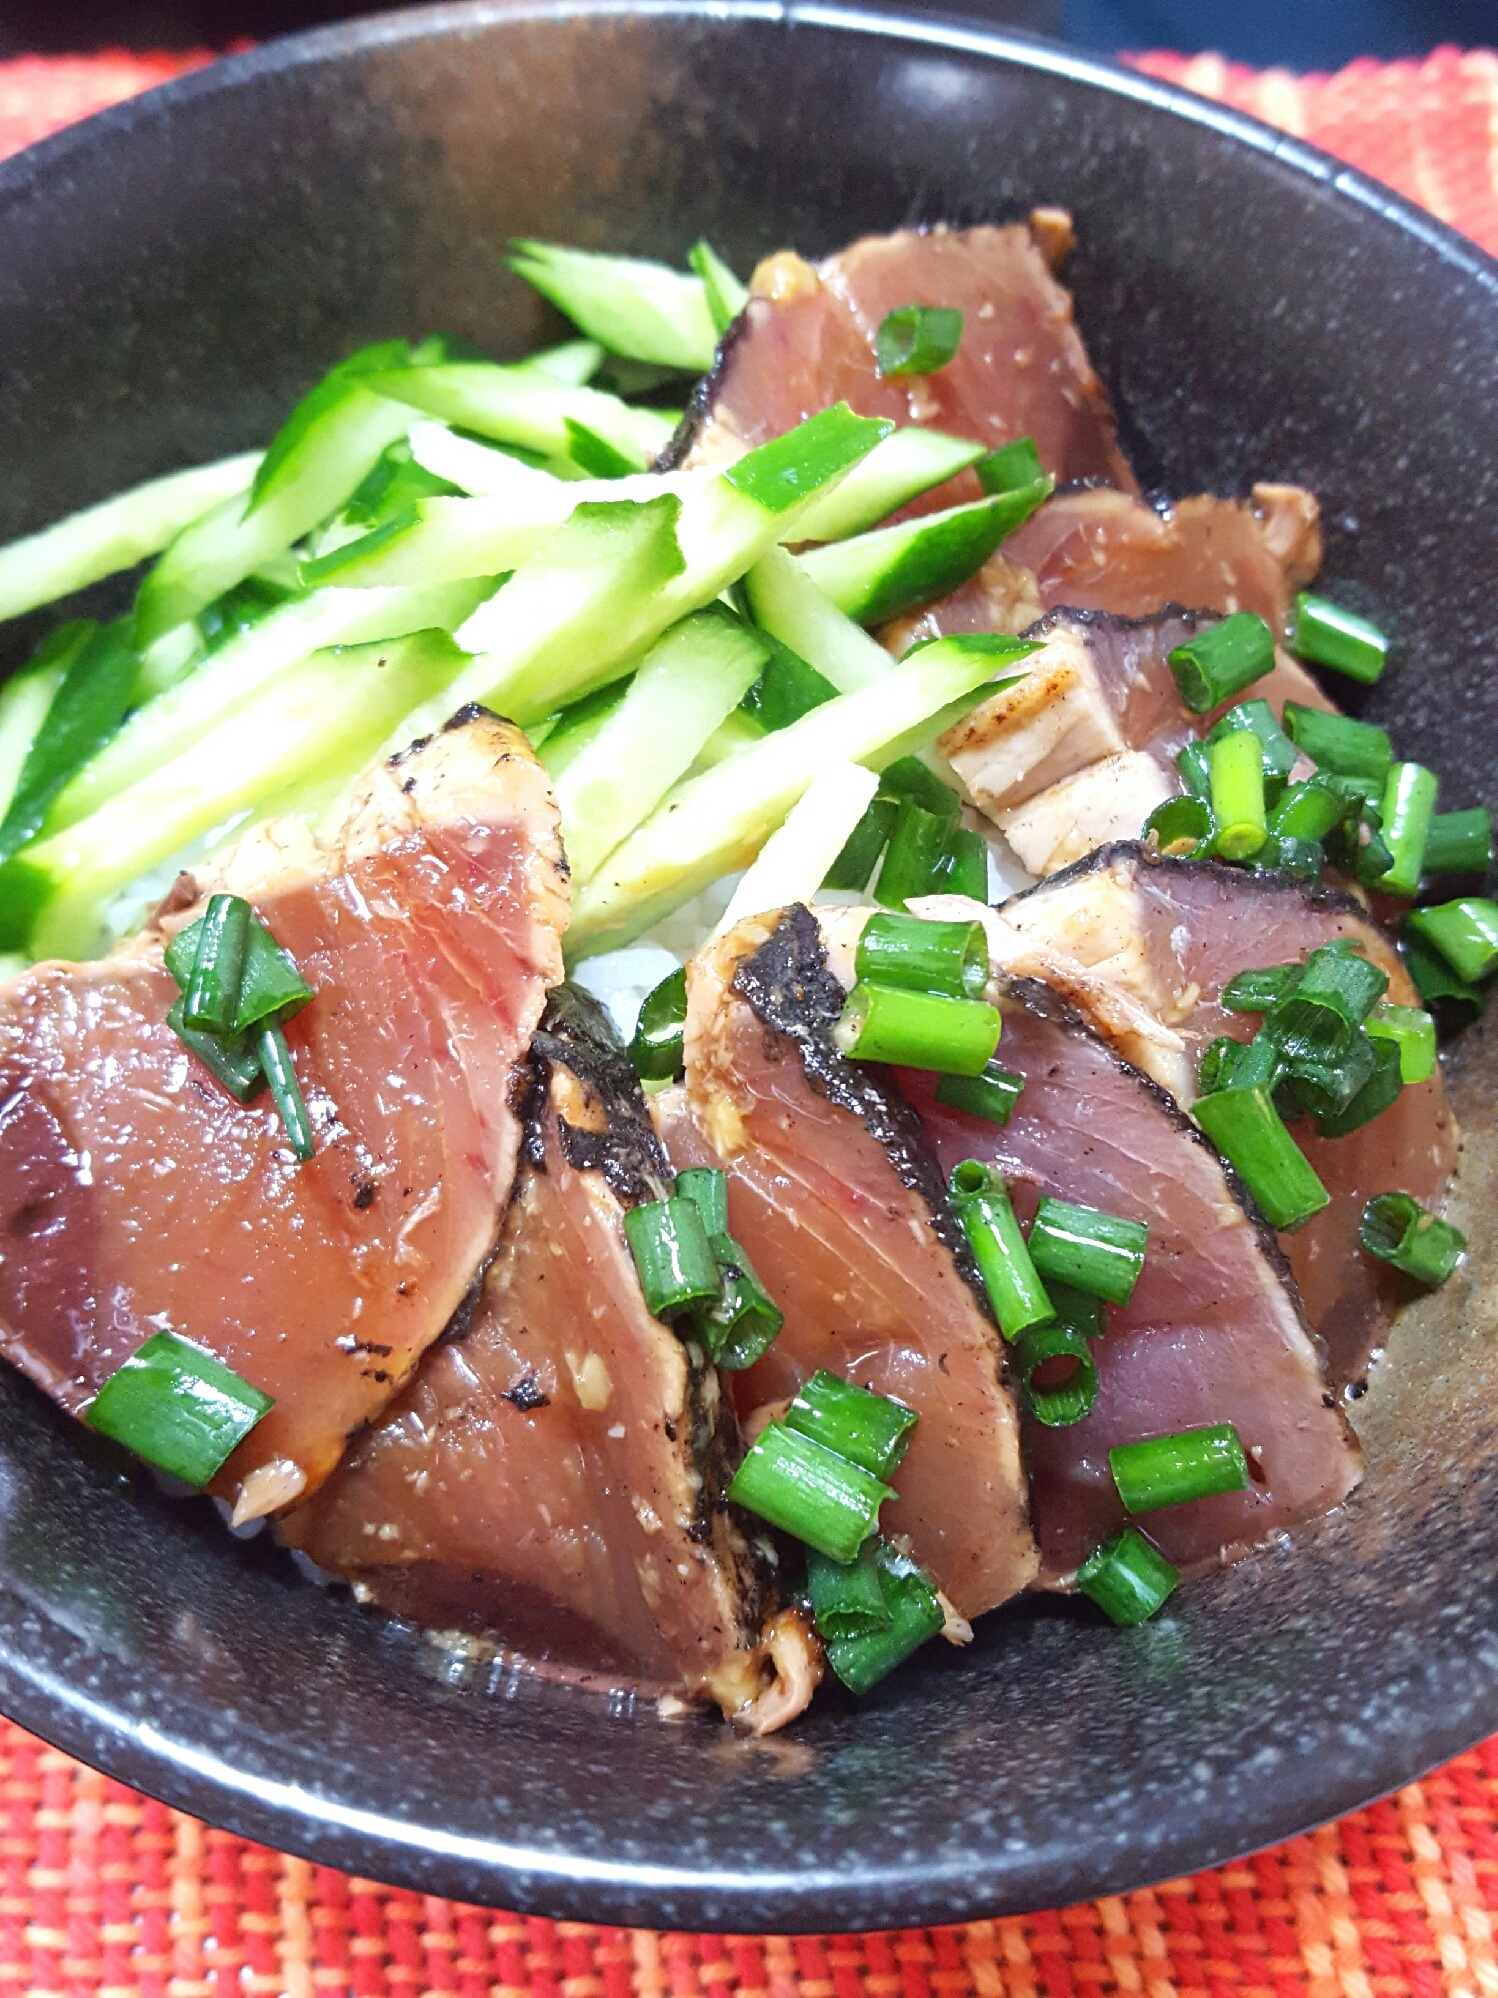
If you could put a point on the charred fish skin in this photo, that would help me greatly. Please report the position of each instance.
(790, 988)
(617, 1137)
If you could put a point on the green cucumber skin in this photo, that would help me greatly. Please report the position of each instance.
(904, 466)
(641, 310)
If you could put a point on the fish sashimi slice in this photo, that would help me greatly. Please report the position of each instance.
(554, 1475)
(137, 1195)
(836, 1197)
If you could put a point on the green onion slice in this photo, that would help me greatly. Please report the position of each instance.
(673, 1256)
(1433, 976)
(1127, 1577)
(657, 1048)
(1323, 1087)
(1337, 990)
(210, 1001)
(1460, 842)
(866, 842)
(1310, 810)
(1338, 743)
(1011, 467)
(274, 1057)
(821, 1498)
(1196, 775)
(1409, 805)
(1235, 766)
(868, 1429)
(918, 339)
(966, 871)
(846, 1597)
(1257, 718)
(178, 1407)
(918, 855)
(1373, 1097)
(1180, 827)
(1077, 1309)
(1247, 1129)
(1328, 635)
(230, 1057)
(1465, 932)
(1257, 991)
(908, 777)
(1222, 660)
(1087, 1249)
(917, 1029)
(707, 1189)
(1398, 1230)
(915, 1614)
(991, 1095)
(1057, 1403)
(1303, 858)
(981, 1201)
(743, 1321)
(1413, 1032)
(950, 958)
(1174, 1470)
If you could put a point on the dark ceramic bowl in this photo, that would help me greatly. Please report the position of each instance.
(171, 276)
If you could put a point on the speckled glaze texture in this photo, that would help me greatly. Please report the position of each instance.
(171, 276)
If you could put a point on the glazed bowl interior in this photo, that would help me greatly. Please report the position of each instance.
(171, 277)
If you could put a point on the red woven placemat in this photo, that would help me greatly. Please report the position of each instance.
(104, 1894)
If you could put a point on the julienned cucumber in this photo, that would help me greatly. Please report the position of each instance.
(645, 311)
(574, 362)
(898, 569)
(523, 407)
(794, 861)
(904, 466)
(686, 685)
(320, 723)
(24, 702)
(99, 671)
(116, 534)
(726, 296)
(717, 822)
(787, 603)
(558, 629)
(161, 730)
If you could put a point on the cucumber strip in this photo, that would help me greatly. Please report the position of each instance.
(788, 604)
(732, 738)
(100, 667)
(903, 568)
(24, 702)
(644, 311)
(523, 407)
(166, 727)
(329, 463)
(574, 362)
(687, 684)
(102, 540)
(904, 466)
(571, 732)
(794, 862)
(485, 472)
(726, 296)
(571, 618)
(715, 823)
(322, 721)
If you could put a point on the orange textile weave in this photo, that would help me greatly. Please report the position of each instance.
(104, 1894)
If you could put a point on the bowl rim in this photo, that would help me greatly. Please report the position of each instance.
(192, 1777)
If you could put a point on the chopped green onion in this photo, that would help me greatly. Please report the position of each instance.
(908, 777)
(1077, 1309)
(1376, 1095)
(1247, 1129)
(1258, 991)
(865, 844)
(786, 690)
(918, 339)
(1409, 804)
(1222, 660)
(919, 848)
(917, 1029)
(924, 956)
(1128, 1578)
(1323, 1086)
(210, 1002)
(1465, 932)
(1196, 773)
(1328, 635)
(981, 1201)
(966, 871)
(1180, 827)
(1256, 1064)
(743, 1322)
(707, 1189)
(1257, 718)
(991, 1095)
(270, 986)
(1236, 766)
(1338, 743)
(807, 1491)
(1087, 1249)
(1219, 1059)
(657, 1048)
(1309, 811)
(673, 1257)
(1400, 1231)
(274, 1057)
(1059, 1403)
(915, 1614)
(1335, 993)
(1011, 467)
(1433, 976)
(1301, 857)
(1460, 842)
(230, 1057)
(868, 1429)
(1174, 1470)
(178, 1407)
(1372, 857)
(846, 1599)
(1412, 1031)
